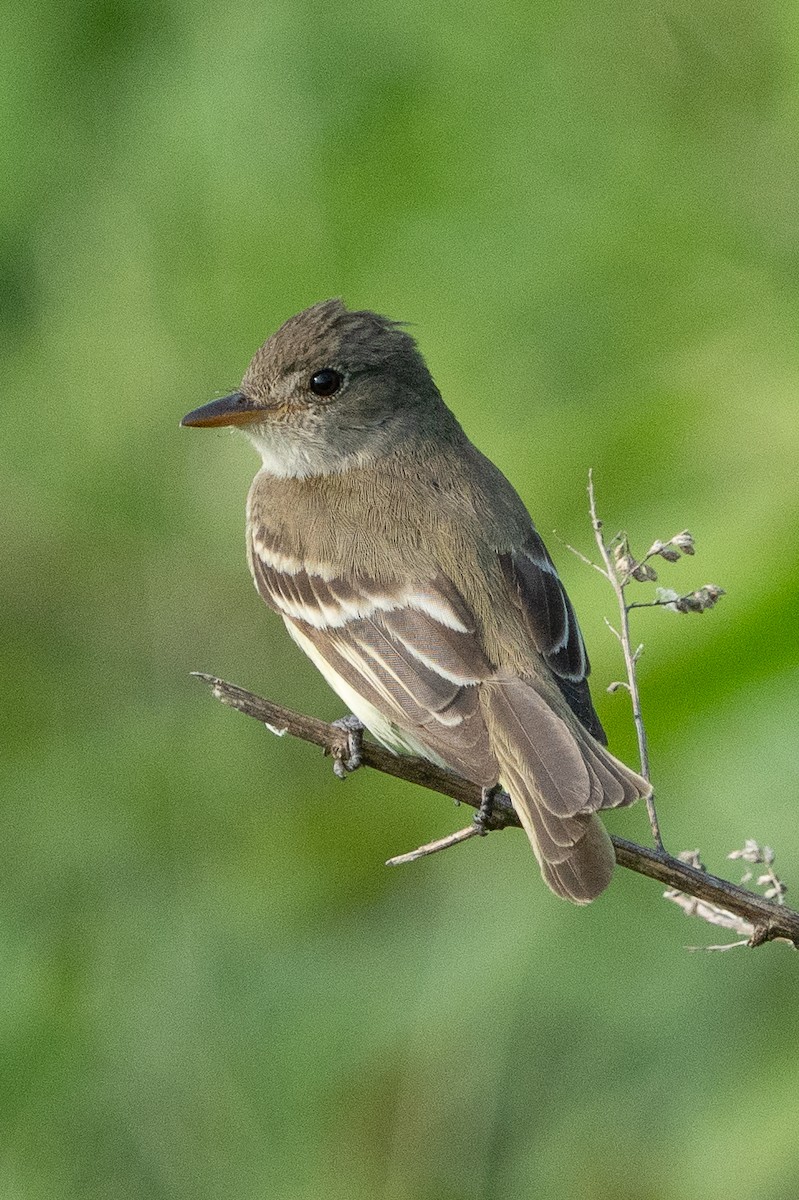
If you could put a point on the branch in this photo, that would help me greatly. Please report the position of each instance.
(630, 657)
(769, 921)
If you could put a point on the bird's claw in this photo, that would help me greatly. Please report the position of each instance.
(347, 754)
(483, 817)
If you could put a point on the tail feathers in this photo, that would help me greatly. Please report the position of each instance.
(575, 854)
(558, 776)
(619, 786)
(588, 870)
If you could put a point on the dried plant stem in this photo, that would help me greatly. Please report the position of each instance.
(768, 920)
(650, 603)
(630, 656)
(444, 843)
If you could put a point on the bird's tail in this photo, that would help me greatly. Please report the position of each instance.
(558, 778)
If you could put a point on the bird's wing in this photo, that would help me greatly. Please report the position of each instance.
(408, 658)
(551, 625)
(408, 650)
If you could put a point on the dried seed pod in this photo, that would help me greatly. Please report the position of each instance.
(684, 542)
(625, 563)
(708, 595)
(751, 852)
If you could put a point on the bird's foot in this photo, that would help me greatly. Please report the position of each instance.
(483, 817)
(347, 753)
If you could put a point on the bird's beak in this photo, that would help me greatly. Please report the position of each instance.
(234, 409)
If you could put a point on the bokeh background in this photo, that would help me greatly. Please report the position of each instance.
(211, 985)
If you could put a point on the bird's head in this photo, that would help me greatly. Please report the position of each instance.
(331, 388)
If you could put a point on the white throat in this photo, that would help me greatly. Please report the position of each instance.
(290, 454)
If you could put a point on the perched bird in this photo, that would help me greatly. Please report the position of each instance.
(407, 568)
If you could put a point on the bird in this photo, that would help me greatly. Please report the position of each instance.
(407, 568)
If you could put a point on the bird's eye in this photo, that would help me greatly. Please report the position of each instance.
(325, 382)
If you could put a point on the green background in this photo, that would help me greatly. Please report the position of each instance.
(211, 985)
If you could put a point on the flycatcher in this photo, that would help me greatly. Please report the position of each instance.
(407, 568)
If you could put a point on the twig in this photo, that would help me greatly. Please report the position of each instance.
(712, 913)
(650, 604)
(589, 562)
(754, 853)
(722, 945)
(769, 921)
(630, 657)
(333, 740)
(444, 843)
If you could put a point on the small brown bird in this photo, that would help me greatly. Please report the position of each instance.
(407, 568)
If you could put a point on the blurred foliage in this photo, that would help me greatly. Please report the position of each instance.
(212, 986)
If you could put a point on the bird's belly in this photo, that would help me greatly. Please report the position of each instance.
(399, 741)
